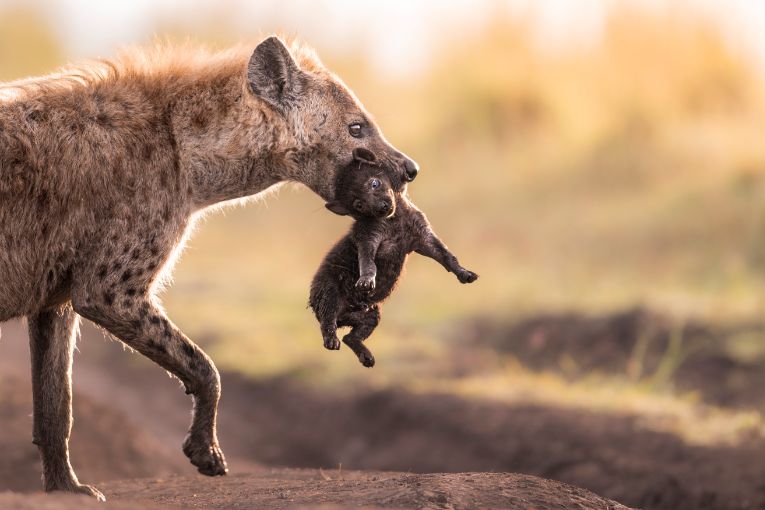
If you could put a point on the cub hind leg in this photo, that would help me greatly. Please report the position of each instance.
(326, 303)
(362, 323)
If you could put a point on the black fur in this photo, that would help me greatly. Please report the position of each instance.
(362, 269)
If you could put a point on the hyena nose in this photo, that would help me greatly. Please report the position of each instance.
(411, 169)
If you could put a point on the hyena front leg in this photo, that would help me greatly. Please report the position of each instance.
(130, 314)
(51, 342)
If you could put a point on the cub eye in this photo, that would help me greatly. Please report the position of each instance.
(355, 130)
(375, 183)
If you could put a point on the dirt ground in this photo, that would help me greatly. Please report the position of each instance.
(304, 489)
(130, 420)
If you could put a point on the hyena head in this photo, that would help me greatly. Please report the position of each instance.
(324, 120)
(365, 189)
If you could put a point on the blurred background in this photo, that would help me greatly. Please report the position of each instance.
(599, 163)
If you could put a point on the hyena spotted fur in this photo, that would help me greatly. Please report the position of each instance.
(103, 168)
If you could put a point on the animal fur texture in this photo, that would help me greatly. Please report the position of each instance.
(362, 269)
(103, 168)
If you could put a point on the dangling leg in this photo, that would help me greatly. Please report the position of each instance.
(362, 324)
(326, 304)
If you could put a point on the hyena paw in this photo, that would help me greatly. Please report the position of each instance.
(207, 457)
(365, 283)
(332, 343)
(367, 359)
(89, 490)
(78, 488)
(466, 276)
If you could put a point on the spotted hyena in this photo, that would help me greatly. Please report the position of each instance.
(103, 168)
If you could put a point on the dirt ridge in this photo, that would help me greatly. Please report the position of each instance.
(278, 489)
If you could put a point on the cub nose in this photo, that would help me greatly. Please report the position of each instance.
(411, 169)
(385, 206)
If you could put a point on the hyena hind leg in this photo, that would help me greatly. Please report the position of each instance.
(362, 324)
(144, 327)
(51, 342)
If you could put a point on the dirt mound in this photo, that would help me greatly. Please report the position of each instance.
(610, 454)
(293, 488)
(695, 357)
(105, 445)
(58, 501)
(312, 489)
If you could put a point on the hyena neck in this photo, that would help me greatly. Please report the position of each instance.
(238, 147)
(312, 167)
(230, 146)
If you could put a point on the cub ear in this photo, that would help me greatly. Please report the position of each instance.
(337, 208)
(273, 75)
(364, 155)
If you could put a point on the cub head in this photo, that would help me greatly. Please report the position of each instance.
(325, 122)
(363, 189)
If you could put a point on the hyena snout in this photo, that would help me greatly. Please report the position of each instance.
(404, 168)
(403, 163)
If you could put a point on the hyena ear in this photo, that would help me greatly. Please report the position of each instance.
(273, 75)
(337, 208)
(364, 155)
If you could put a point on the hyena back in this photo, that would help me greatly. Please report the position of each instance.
(102, 169)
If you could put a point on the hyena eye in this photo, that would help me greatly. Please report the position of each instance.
(375, 183)
(355, 130)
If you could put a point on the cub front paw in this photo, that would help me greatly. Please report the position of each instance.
(466, 276)
(366, 283)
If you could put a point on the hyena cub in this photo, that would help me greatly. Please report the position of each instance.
(362, 269)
